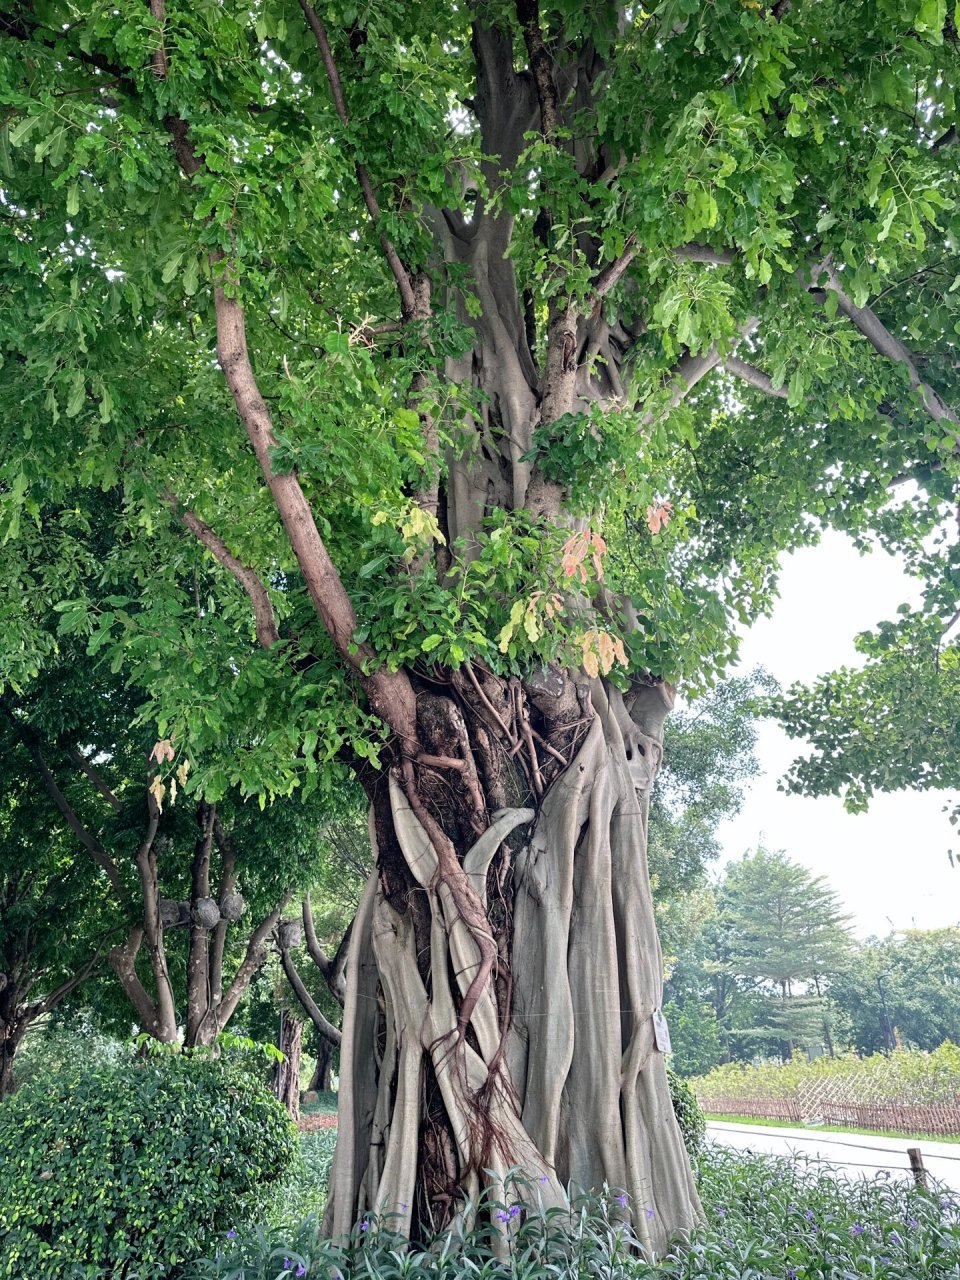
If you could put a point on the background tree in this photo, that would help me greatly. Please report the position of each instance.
(462, 273)
(56, 915)
(906, 985)
(781, 933)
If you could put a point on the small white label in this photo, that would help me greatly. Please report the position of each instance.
(661, 1032)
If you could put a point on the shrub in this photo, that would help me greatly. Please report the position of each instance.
(125, 1170)
(49, 1049)
(686, 1108)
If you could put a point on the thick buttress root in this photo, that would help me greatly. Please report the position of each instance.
(568, 1087)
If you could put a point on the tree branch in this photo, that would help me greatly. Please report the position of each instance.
(326, 1028)
(609, 276)
(228, 879)
(199, 994)
(887, 344)
(123, 960)
(756, 377)
(332, 970)
(254, 957)
(86, 838)
(399, 271)
(390, 694)
(266, 622)
(82, 763)
(541, 64)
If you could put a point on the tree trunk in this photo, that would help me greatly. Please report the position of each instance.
(286, 1077)
(320, 1081)
(556, 1072)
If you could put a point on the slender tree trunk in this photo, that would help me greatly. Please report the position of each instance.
(320, 1081)
(11, 1034)
(286, 1076)
(556, 1071)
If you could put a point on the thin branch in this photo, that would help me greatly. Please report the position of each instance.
(266, 622)
(81, 761)
(332, 970)
(253, 958)
(50, 1001)
(887, 344)
(326, 1028)
(694, 252)
(609, 276)
(399, 271)
(541, 64)
(86, 838)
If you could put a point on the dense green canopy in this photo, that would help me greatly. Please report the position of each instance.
(783, 174)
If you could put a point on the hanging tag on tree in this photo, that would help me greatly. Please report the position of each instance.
(661, 1032)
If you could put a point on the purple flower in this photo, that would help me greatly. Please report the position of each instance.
(912, 1222)
(514, 1210)
(287, 1264)
(857, 1229)
(231, 1234)
(721, 1212)
(301, 1269)
(365, 1225)
(621, 1199)
(543, 1179)
(809, 1215)
(651, 1213)
(404, 1207)
(885, 1261)
(501, 1216)
(896, 1238)
(791, 1273)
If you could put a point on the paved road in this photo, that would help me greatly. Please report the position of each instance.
(854, 1154)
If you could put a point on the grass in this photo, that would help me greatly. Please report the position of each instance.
(765, 1122)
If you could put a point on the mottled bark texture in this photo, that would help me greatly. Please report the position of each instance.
(286, 1076)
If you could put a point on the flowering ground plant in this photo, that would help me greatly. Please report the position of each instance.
(764, 1219)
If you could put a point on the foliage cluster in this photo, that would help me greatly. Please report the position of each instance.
(686, 1108)
(766, 1219)
(126, 1169)
(916, 1079)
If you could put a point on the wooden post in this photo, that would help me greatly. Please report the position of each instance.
(916, 1165)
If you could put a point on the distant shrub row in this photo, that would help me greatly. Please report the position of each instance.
(906, 1077)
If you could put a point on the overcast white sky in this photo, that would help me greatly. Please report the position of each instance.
(890, 865)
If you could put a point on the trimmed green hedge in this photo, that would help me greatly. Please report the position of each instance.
(125, 1170)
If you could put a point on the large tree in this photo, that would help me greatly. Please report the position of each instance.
(483, 356)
